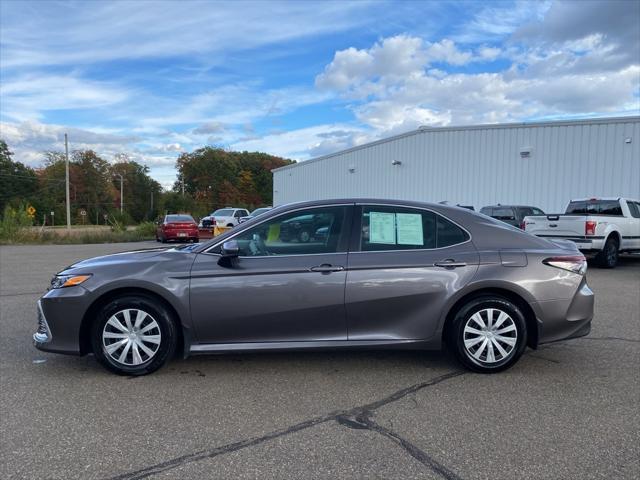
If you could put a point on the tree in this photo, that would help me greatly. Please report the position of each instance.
(141, 192)
(214, 178)
(18, 182)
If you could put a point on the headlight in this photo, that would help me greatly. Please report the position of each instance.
(62, 281)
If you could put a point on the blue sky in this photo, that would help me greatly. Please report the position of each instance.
(300, 79)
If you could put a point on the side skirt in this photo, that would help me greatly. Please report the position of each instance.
(197, 349)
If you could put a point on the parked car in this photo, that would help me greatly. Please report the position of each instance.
(387, 274)
(511, 214)
(224, 217)
(255, 213)
(181, 228)
(600, 227)
(304, 228)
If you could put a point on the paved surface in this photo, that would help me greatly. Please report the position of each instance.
(568, 410)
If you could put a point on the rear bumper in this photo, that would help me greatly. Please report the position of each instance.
(188, 235)
(563, 319)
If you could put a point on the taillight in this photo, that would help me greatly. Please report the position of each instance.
(590, 227)
(573, 263)
(522, 225)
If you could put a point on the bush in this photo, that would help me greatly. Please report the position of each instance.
(147, 229)
(15, 224)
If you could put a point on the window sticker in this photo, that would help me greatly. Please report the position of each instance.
(409, 227)
(382, 228)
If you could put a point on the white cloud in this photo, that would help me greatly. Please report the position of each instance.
(74, 33)
(26, 97)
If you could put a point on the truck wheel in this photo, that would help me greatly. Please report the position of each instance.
(608, 257)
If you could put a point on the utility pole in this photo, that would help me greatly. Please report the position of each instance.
(183, 185)
(66, 151)
(121, 190)
(151, 204)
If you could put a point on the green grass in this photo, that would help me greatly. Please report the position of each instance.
(32, 236)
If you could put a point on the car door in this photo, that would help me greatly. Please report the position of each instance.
(276, 290)
(632, 235)
(404, 265)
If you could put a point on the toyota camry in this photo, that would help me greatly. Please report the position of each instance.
(369, 274)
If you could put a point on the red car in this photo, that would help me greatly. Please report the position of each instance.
(177, 227)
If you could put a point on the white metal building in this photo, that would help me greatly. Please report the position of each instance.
(542, 164)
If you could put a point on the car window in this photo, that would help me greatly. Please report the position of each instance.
(305, 232)
(634, 208)
(239, 213)
(594, 207)
(486, 210)
(398, 228)
(448, 233)
(223, 212)
(537, 211)
(525, 211)
(179, 218)
(503, 213)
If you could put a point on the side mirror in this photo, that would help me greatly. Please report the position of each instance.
(230, 249)
(230, 252)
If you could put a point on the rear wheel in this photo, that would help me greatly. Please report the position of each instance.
(608, 257)
(488, 334)
(133, 335)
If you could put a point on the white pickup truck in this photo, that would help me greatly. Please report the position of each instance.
(600, 227)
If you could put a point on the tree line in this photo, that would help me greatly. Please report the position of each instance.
(207, 178)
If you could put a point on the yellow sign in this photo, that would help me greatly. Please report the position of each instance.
(31, 211)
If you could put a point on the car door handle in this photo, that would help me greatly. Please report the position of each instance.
(326, 268)
(450, 263)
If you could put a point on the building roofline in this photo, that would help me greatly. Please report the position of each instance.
(546, 123)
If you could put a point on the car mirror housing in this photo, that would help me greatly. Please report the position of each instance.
(230, 249)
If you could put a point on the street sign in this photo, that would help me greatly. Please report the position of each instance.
(83, 212)
(31, 211)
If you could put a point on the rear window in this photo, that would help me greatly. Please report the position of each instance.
(595, 207)
(503, 213)
(180, 218)
(537, 211)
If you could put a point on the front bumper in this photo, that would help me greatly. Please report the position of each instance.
(60, 313)
(567, 318)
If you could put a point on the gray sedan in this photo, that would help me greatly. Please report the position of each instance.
(373, 274)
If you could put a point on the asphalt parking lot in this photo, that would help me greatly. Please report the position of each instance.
(567, 410)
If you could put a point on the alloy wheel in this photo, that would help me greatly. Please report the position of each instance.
(490, 336)
(131, 337)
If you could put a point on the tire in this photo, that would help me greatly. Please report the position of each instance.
(608, 256)
(156, 325)
(230, 225)
(479, 352)
(157, 239)
(304, 236)
(163, 240)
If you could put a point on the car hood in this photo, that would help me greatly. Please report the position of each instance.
(142, 256)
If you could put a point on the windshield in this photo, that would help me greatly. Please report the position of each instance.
(259, 211)
(223, 212)
(179, 218)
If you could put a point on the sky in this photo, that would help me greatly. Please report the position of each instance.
(153, 79)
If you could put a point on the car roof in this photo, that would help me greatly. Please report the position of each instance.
(510, 206)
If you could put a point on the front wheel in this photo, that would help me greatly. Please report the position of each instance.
(488, 335)
(133, 335)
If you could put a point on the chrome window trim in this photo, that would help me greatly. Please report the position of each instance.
(412, 249)
(242, 230)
